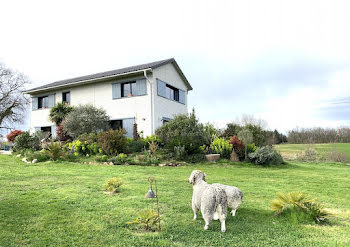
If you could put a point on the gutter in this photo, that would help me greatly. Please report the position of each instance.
(84, 81)
(151, 99)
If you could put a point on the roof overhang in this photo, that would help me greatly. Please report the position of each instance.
(90, 81)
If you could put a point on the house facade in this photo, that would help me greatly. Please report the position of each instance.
(148, 94)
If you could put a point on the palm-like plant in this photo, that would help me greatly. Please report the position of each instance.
(146, 218)
(299, 201)
(59, 112)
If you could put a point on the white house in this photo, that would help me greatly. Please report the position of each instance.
(149, 94)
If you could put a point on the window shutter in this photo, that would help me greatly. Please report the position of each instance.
(182, 96)
(51, 101)
(161, 88)
(36, 129)
(116, 91)
(128, 125)
(141, 87)
(53, 131)
(35, 103)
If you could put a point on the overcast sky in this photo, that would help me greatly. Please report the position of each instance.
(287, 62)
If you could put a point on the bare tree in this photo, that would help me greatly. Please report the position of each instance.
(13, 102)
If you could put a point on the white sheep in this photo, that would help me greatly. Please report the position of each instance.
(234, 197)
(211, 199)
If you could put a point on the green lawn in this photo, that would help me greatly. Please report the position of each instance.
(61, 204)
(291, 149)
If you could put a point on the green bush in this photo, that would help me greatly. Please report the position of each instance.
(85, 119)
(40, 156)
(26, 141)
(88, 138)
(101, 158)
(112, 142)
(221, 146)
(148, 219)
(251, 148)
(180, 152)
(184, 130)
(113, 185)
(299, 207)
(266, 156)
(54, 151)
(83, 147)
(136, 146)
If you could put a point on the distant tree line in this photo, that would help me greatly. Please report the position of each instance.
(319, 135)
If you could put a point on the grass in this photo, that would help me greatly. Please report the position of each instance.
(294, 149)
(63, 204)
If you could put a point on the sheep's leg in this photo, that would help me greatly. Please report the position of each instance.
(195, 211)
(207, 221)
(222, 217)
(233, 212)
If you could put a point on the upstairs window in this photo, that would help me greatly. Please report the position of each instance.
(128, 89)
(66, 97)
(172, 93)
(167, 91)
(43, 102)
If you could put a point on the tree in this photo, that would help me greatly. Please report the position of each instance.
(13, 103)
(11, 137)
(59, 112)
(247, 137)
(85, 119)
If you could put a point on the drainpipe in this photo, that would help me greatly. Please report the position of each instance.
(151, 99)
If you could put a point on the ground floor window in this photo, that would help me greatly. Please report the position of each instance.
(46, 129)
(116, 124)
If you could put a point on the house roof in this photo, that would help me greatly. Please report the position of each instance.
(111, 73)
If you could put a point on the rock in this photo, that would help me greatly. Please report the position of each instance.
(24, 160)
(234, 156)
(87, 155)
(91, 163)
(18, 155)
(34, 161)
(212, 157)
(163, 164)
(111, 163)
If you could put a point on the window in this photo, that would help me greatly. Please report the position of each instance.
(128, 89)
(116, 124)
(172, 93)
(43, 102)
(167, 91)
(166, 120)
(66, 97)
(46, 129)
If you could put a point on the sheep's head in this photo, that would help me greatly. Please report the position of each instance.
(196, 176)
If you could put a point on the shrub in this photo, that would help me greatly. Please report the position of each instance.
(153, 147)
(85, 119)
(238, 146)
(40, 156)
(59, 112)
(222, 147)
(113, 185)
(83, 148)
(148, 219)
(266, 156)
(337, 156)
(184, 130)
(299, 205)
(11, 137)
(135, 133)
(26, 141)
(112, 141)
(88, 138)
(54, 151)
(136, 146)
(101, 158)
(309, 154)
(152, 138)
(251, 148)
(180, 152)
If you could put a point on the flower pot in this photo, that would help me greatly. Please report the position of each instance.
(212, 157)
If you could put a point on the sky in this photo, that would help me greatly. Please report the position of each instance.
(287, 62)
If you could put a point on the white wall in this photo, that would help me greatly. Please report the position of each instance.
(99, 94)
(165, 107)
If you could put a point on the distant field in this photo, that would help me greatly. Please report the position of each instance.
(294, 149)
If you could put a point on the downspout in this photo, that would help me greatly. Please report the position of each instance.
(151, 100)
